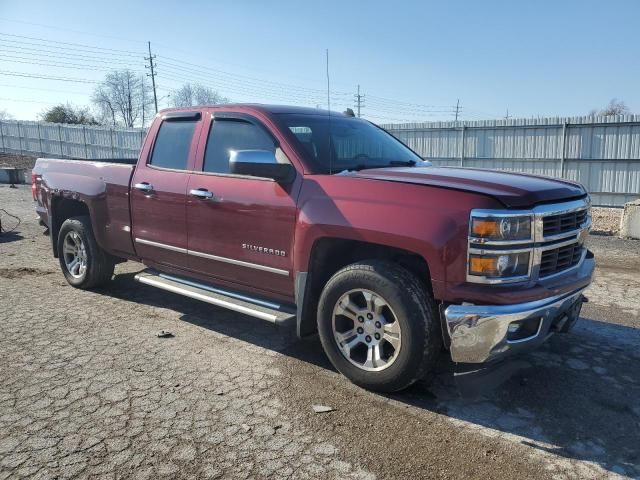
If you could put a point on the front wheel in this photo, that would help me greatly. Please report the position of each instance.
(83, 263)
(379, 326)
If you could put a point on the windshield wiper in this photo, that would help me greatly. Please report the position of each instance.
(391, 163)
(402, 163)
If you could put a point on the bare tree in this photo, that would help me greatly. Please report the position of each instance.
(4, 115)
(123, 98)
(191, 94)
(615, 107)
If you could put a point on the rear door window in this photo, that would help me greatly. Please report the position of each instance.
(228, 135)
(173, 141)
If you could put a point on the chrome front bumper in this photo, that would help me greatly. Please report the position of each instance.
(479, 334)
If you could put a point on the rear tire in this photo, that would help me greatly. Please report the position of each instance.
(379, 326)
(84, 264)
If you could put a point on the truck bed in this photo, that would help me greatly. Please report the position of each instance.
(103, 185)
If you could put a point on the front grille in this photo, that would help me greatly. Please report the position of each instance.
(563, 222)
(558, 259)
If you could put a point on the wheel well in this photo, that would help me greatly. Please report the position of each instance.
(329, 255)
(62, 209)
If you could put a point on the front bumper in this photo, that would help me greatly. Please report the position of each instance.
(480, 333)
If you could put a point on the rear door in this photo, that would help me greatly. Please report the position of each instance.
(159, 187)
(243, 233)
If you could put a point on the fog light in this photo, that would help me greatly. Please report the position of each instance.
(523, 329)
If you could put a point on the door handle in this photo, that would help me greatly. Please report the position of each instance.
(143, 187)
(201, 193)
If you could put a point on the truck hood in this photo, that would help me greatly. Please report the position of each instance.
(514, 190)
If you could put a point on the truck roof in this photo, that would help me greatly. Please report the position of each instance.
(270, 109)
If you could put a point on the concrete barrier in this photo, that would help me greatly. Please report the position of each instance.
(12, 175)
(630, 222)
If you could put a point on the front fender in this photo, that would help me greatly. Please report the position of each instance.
(428, 221)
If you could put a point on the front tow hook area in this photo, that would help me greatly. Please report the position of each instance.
(570, 318)
(474, 380)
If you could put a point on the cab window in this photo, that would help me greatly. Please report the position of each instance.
(229, 135)
(171, 148)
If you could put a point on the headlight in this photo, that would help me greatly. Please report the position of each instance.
(499, 265)
(501, 228)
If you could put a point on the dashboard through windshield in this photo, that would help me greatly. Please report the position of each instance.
(336, 143)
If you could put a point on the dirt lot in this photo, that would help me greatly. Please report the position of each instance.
(88, 390)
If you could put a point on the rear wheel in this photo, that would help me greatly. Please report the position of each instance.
(378, 325)
(83, 263)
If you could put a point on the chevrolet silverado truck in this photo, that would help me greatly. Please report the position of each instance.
(299, 215)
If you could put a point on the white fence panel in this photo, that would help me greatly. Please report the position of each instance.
(602, 153)
(69, 141)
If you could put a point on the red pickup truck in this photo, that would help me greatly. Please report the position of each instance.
(294, 214)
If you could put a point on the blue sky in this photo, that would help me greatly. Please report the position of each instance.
(413, 59)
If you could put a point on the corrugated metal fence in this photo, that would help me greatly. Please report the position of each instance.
(69, 141)
(602, 153)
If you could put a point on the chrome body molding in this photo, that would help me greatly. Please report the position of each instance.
(216, 258)
(240, 263)
(161, 245)
(478, 333)
(536, 244)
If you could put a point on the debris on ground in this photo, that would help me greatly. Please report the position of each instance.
(164, 334)
(322, 409)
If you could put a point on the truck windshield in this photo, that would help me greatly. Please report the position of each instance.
(334, 144)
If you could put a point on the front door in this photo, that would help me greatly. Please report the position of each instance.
(241, 228)
(158, 191)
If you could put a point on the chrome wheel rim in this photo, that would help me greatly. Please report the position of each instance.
(366, 330)
(75, 254)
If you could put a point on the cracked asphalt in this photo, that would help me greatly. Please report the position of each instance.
(87, 389)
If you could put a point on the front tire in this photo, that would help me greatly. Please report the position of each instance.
(379, 326)
(84, 264)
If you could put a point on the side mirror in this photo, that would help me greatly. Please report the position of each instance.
(260, 163)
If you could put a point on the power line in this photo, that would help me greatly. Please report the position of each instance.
(48, 77)
(72, 92)
(130, 40)
(74, 66)
(56, 27)
(457, 109)
(67, 56)
(182, 63)
(175, 74)
(120, 52)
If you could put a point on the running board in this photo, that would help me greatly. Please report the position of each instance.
(241, 303)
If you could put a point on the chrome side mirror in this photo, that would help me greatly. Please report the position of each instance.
(260, 163)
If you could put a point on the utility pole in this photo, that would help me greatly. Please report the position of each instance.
(507, 116)
(328, 85)
(151, 58)
(457, 109)
(359, 101)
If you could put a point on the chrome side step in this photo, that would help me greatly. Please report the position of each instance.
(265, 310)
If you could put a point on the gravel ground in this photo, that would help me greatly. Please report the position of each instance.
(88, 390)
(606, 220)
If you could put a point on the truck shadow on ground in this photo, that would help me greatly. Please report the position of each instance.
(575, 397)
(6, 237)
